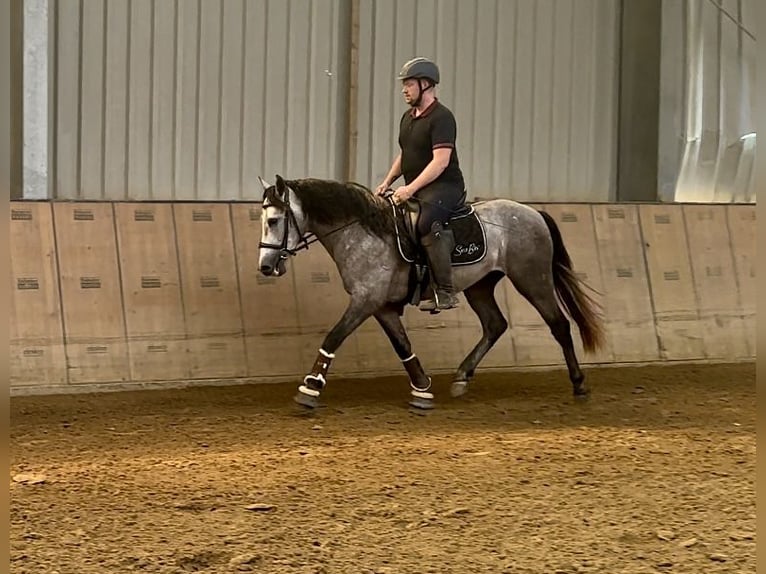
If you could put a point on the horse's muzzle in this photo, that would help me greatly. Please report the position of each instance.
(278, 270)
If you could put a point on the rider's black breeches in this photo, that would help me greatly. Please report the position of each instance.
(437, 202)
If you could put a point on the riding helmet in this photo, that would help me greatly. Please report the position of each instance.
(419, 68)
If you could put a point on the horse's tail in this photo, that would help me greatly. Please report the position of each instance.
(569, 288)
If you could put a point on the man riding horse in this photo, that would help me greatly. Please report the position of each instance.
(429, 163)
(518, 242)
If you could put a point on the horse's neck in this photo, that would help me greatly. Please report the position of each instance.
(327, 235)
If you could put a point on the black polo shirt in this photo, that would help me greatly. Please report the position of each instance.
(419, 136)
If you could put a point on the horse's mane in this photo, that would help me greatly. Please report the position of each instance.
(331, 203)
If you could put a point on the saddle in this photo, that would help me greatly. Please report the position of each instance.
(470, 243)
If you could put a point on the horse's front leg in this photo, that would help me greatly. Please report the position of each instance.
(420, 383)
(358, 311)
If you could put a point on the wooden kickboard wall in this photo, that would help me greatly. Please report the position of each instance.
(91, 293)
(36, 329)
(154, 312)
(676, 312)
(715, 282)
(138, 292)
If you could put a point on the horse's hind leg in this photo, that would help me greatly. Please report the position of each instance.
(542, 296)
(420, 383)
(481, 298)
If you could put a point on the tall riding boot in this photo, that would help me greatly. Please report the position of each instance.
(438, 246)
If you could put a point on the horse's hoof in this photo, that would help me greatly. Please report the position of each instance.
(458, 388)
(420, 408)
(581, 395)
(422, 404)
(306, 401)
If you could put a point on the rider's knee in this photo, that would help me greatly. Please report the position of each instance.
(428, 225)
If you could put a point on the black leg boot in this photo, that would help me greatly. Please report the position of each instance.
(438, 246)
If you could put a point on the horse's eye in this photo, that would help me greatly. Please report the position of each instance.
(272, 221)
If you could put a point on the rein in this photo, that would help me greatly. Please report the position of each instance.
(305, 238)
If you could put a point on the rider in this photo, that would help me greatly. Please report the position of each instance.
(428, 161)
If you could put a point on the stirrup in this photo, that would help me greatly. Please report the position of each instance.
(447, 301)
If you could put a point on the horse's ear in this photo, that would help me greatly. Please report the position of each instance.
(266, 185)
(281, 185)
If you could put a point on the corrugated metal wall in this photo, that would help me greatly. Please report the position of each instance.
(710, 63)
(532, 85)
(185, 99)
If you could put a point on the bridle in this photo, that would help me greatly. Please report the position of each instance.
(303, 242)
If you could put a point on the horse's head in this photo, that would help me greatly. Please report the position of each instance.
(281, 223)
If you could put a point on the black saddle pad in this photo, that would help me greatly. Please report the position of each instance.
(469, 233)
(470, 239)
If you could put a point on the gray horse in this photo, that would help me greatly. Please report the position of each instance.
(359, 231)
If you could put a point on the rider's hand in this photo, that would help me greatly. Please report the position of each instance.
(402, 194)
(381, 189)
